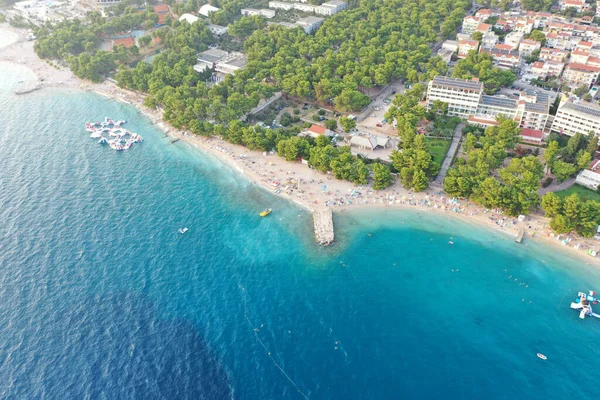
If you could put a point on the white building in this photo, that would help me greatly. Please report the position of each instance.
(469, 25)
(331, 7)
(207, 9)
(281, 5)
(263, 12)
(581, 75)
(310, 24)
(217, 30)
(572, 118)
(466, 100)
(528, 46)
(189, 18)
(513, 39)
(590, 177)
(462, 96)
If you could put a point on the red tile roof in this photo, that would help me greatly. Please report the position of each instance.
(127, 42)
(161, 8)
(318, 129)
(483, 27)
(583, 67)
(532, 133)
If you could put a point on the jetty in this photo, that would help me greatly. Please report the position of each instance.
(26, 90)
(324, 233)
(520, 235)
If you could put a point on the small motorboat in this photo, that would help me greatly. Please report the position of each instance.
(451, 242)
(266, 212)
(182, 230)
(543, 357)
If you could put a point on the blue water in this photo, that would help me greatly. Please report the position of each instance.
(100, 297)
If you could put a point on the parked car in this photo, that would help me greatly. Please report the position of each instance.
(379, 125)
(393, 92)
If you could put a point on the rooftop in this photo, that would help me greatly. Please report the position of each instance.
(127, 42)
(310, 20)
(458, 83)
(497, 101)
(533, 133)
(583, 109)
(318, 129)
(212, 55)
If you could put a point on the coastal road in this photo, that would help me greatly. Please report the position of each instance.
(439, 180)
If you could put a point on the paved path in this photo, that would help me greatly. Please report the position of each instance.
(556, 187)
(439, 180)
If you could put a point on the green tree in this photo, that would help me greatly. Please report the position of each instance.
(382, 178)
(347, 123)
(538, 36)
(331, 124)
(420, 181)
(563, 170)
(551, 152)
(481, 65)
(560, 224)
(581, 90)
(551, 204)
(584, 160)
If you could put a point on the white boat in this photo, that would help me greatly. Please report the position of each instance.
(182, 230)
(543, 357)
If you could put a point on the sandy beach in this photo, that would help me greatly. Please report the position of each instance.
(293, 180)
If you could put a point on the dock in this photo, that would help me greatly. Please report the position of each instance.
(520, 235)
(324, 233)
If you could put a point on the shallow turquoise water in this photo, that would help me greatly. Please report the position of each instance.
(101, 297)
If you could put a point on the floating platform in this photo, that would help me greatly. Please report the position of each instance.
(324, 233)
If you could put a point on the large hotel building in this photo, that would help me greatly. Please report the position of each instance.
(465, 99)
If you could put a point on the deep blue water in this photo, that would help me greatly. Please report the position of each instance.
(100, 297)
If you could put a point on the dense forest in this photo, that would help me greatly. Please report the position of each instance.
(361, 48)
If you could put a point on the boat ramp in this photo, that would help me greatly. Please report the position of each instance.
(324, 226)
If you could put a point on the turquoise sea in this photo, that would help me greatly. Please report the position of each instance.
(102, 298)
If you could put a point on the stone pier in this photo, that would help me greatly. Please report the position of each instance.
(324, 226)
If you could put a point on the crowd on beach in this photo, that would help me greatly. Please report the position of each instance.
(294, 180)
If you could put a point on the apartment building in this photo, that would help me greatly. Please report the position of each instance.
(462, 96)
(465, 99)
(310, 24)
(581, 75)
(506, 59)
(580, 56)
(470, 24)
(282, 5)
(553, 54)
(489, 40)
(572, 118)
(528, 46)
(331, 7)
(465, 46)
(263, 12)
(533, 110)
(579, 5)
(513, 39)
